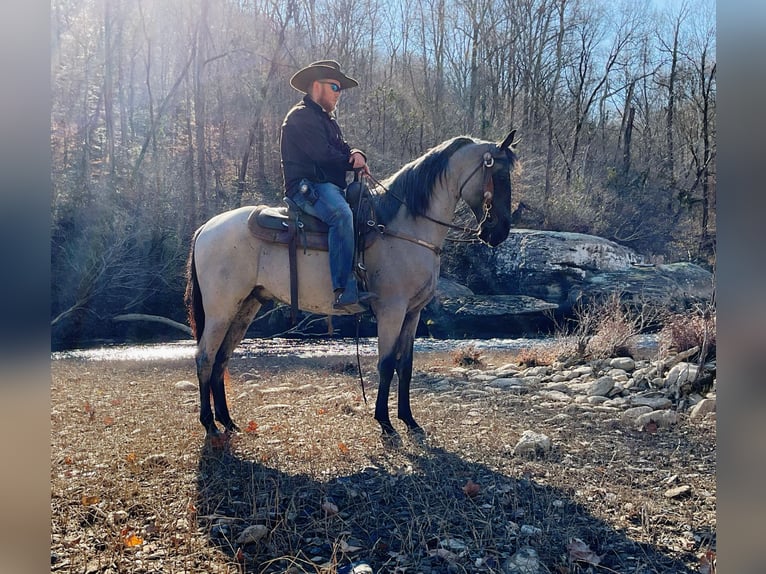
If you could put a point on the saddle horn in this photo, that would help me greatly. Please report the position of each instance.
(508, 142)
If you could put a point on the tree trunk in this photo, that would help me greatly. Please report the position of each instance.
(199, 112)
(670, 163)
(627, 142)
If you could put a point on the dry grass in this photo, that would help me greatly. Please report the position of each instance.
(134, 488)
(686, 331)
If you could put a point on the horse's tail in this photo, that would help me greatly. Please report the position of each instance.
(193, 296)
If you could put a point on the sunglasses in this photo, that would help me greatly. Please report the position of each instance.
(333, 86)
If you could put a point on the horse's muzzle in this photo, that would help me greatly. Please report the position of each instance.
(493, 232)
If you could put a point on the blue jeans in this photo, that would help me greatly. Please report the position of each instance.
(334, 210)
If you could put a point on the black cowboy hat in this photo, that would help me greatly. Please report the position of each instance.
(321, 70)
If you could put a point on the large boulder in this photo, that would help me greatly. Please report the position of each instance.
(547, 264)
(456, 312)
(564, 268)
(544, 274)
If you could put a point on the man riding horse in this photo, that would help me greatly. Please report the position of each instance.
(315, 161)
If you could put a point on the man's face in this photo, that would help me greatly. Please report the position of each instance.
(327, 94)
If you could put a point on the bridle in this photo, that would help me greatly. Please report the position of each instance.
(488, 160)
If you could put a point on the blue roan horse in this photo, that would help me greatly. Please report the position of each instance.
(231, 273)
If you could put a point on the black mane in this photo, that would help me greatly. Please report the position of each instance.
(413, 184)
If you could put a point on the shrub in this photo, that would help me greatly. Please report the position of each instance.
(682, 332)
(604, 327)
(536, 357)
(467, 356)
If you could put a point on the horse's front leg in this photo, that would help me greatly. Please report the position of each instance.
(404, 372)
(389, 328)
(386, 367)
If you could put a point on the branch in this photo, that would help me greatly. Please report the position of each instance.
(154, 318)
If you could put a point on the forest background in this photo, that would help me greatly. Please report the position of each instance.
(166, 112)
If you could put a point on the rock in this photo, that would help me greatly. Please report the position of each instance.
(663, 419)
(186, 386)
(538, 269)
(532, 443)
(355, 568)
(524, 561)
(600, 387)
(675, 287)
(630, 415)
(557, 396)
(490, 315)
(655, 402)
(540, 371)
(702, 408)
(617, 402)
(624, 363)
(680, 374)
(252, 534)
(678, 491)
(507, 383)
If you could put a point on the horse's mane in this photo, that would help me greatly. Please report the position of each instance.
(413, 184)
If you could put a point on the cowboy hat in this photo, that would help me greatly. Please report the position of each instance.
(321, 70)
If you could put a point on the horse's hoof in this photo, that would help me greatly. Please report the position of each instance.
(232, 428)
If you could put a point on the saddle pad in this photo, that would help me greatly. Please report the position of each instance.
(273, 225)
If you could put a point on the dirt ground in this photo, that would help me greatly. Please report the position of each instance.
(308, 486)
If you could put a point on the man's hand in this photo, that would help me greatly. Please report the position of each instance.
(358, 162)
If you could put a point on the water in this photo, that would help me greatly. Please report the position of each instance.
(645, 345)
(280, 347)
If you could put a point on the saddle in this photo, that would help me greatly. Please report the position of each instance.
(290, 225)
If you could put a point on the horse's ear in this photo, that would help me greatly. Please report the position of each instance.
(508, 142)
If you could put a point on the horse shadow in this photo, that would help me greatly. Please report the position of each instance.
(413, 509)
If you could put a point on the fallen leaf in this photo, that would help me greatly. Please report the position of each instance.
(130, 540)
(240, 556)
(68, 460)
(252, 427)
(343, 448)
(321, 411)
(580, 552)
(108, 421)
(88, 408)
(471, 489)
(346, 548)
(90, 500)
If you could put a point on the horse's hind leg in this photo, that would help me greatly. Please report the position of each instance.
(206, 359)
(233, 338)
(404, 372)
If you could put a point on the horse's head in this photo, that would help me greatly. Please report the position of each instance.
(487, 187)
